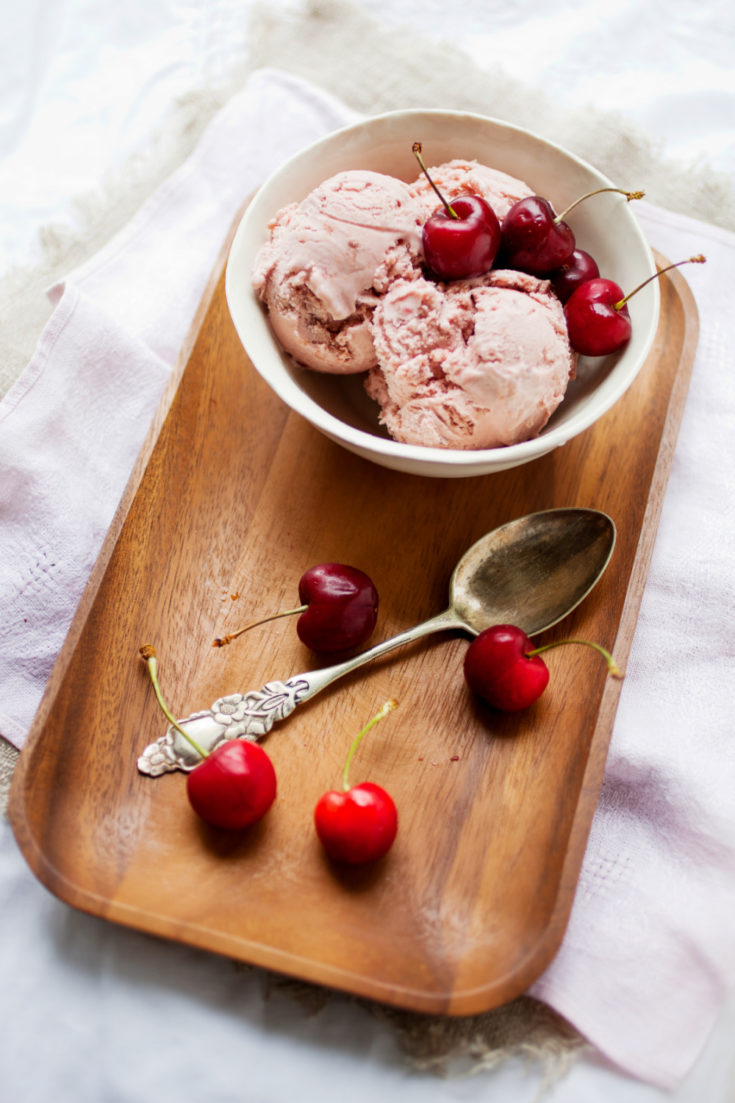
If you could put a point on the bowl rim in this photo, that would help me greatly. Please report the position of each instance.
(359, 439)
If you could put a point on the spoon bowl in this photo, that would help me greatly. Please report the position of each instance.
(533, 571)
(529, 572)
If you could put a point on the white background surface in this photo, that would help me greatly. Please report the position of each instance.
(84, 86)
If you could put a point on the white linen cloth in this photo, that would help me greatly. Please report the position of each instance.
(650, 951)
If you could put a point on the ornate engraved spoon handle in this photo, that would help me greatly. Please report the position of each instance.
(252, 715)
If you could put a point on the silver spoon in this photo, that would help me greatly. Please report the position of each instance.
(529, 572)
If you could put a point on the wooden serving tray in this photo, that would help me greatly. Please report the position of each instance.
(232, 499)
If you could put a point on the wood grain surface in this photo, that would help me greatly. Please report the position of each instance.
(232, 499)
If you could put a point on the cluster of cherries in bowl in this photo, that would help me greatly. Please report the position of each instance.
(235, 783)
(464, 239)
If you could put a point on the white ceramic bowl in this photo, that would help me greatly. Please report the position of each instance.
(605, 226)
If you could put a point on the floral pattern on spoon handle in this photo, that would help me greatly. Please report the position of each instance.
(252, 715)
(237, 716)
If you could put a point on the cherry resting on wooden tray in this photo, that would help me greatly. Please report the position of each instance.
(235, 784)
(339, 608)
(597, 315)
(359, 823)
(502, 666)
(538, 241)
(460, 239)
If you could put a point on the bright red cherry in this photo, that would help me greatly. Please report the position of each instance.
(497, 668)
(503, 667)
(357, 826)
(234, 786)
(577, 270)
(359, 823)
(597, 318)
(461, 239)
(597, 315)
(339, 609)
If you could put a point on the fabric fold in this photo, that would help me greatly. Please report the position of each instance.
(70, 431)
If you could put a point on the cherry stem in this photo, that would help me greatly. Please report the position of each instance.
(699, 259)
(598, 191)
(222, 641)
(611, 664)
(387, 707)
(151, 662)
(416, 148)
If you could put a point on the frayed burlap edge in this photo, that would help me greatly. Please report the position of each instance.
(371, 69)
(374, 68)
(96, 217)
(8, 759)
(525, 1030)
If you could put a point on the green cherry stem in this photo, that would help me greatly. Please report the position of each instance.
(222, 641)
(598, 191)
(416, 149)
(611, 664)
(147, 653)
(386, 708)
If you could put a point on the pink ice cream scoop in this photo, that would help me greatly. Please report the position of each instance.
(328, 260)
(458, 177)
(472, 364)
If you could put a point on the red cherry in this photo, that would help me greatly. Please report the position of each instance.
(597, 315)
(533, 240)
(496, 668)
(597, 318)
(358, 825)
(460, 239)
(341, 607)
(577, 270)
(462, 242)
(503, 667)
(536, 240)
(234, 786)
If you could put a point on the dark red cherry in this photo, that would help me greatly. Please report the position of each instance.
(341, 607)
(536, 240)
(463, 241)
(577, 270)
(533, 240)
